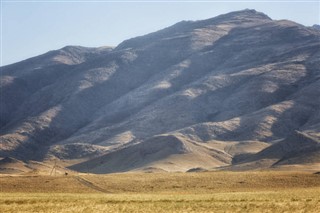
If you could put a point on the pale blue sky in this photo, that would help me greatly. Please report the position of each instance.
(35, 27)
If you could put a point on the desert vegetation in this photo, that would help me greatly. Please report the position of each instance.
(264, 191)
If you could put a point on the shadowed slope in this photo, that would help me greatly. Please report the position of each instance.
(164, 152)
(236, 77)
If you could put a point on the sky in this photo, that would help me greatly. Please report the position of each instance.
(30, 28)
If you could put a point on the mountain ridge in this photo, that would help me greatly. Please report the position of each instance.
(237, 77)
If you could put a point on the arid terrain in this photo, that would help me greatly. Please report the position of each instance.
(215, 115)
(239, 91)
(262, 191)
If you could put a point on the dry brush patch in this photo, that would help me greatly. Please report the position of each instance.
(203, 182)
(281, 201)
(173, 192)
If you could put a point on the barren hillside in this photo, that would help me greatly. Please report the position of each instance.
(230, 90)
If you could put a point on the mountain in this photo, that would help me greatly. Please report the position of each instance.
(316, 26)
(198, 94)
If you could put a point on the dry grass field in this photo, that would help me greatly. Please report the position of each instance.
(265, 191)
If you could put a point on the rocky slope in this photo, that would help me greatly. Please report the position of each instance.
(237, 80)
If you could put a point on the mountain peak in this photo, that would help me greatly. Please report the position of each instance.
(316, 26)
(236, 18)
(243, 15)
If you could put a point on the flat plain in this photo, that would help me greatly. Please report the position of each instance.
(261, 191)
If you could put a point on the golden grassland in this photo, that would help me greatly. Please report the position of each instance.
(265, 191)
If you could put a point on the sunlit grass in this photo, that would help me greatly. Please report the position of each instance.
(152, 193)
(282, 201)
